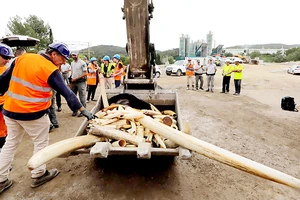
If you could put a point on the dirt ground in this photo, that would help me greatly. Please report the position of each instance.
(251, 125)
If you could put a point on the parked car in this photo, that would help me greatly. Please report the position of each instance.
(177, 68)
(295, 69)
(157, 72)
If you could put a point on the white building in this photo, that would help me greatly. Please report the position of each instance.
(248, 51)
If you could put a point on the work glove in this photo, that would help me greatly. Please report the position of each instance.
(88, 114)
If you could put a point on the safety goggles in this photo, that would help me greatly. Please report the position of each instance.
(5, 57)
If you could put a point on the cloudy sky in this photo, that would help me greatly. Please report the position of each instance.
(233, 22)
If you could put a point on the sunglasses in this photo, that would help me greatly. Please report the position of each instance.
(5, 57)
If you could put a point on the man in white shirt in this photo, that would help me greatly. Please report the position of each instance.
(66, 71)
(211, 70)
(198, 74)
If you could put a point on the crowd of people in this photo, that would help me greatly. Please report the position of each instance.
(195, 72)
(83, 77)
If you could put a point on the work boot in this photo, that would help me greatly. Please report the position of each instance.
(48, 176)
(51, 128)
(74, 113)
(5, 185)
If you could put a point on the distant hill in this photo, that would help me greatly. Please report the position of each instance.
(265, 46)
(102, 50)
(171, 52)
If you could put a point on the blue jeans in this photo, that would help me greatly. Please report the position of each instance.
(237, 85)
(117, 83)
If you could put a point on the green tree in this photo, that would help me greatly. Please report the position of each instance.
(32, 26)
(51, 36)
(171, 60)
(254, 54)
(291, 51)
(125, 59)
(228, 54)
(278, 57)
(293, 54)
(158, 59)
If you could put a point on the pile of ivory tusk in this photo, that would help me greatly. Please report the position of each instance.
(127, 127)
(116, 118)
(165, 130)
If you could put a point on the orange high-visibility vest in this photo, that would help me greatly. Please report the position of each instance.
(117, 70)
(188, 72)
(2, 98)
(92, 77)
(28, 90)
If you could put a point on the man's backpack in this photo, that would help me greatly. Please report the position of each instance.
(288, 103)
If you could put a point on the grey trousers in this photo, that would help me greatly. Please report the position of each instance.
(52, 112)
(81, 89)
(198, 78)
(210, 82)
(66, 77)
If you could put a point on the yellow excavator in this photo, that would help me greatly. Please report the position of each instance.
(245, 59)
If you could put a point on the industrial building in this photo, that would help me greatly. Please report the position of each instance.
(199, 48)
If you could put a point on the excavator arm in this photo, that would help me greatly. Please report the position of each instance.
(137, 14)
